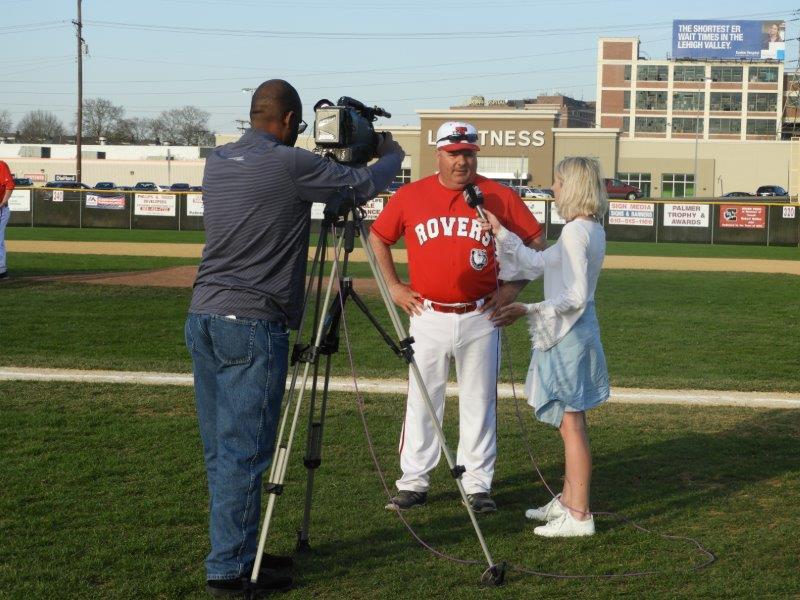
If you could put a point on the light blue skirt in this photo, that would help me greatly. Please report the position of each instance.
(572, 375)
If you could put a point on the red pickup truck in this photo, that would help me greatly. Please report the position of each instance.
(617, 189)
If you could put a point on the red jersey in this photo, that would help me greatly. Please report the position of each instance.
(6, 180)
(449, 258)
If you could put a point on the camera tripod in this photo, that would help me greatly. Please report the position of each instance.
(342, 227)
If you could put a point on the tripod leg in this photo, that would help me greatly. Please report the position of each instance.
(283, 449)
(495, 572)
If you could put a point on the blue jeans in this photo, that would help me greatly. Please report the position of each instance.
(240, 369)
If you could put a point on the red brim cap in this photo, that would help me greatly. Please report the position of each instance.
(459, 146)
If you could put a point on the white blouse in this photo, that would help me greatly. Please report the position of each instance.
(570, 267)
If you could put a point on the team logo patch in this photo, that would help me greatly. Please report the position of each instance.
(478, 258)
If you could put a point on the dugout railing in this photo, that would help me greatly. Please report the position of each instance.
(758, 221)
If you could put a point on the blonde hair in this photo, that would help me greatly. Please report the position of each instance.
(583, 190)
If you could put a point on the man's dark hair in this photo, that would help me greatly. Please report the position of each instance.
(273, 99)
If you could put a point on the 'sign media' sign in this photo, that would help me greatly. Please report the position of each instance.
(631, 213)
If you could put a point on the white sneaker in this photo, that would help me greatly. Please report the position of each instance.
(550, 511)
(566, 526)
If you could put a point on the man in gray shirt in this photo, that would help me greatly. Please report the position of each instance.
(257, 196)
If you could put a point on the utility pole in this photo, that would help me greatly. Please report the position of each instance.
(79, 134)
(242, 125)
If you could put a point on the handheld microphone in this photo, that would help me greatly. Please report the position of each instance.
(474, 197)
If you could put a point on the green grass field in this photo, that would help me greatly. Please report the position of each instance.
(102, 487)
(103, 496)
(734, 331)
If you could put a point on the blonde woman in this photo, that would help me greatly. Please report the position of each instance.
(567, 375)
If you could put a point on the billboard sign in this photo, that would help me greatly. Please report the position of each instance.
(631, 213)
(154, 205)
(686, 215)
(194, 205)
(732, 40)
(113, 202)
(20, 200)
(740, 216)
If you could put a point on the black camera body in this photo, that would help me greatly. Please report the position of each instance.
(343, 131)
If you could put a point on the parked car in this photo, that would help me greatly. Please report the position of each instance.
(147, 186)
(737, 195)
(393, 187)
(196, 188)
(771, 190)
(23, 181)
(68, 185)
(529, 192)
(106, 185)
(617, 189)
(180, 187)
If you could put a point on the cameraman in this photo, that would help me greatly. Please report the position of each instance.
(257, 195)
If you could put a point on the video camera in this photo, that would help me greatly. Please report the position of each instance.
(343, 131)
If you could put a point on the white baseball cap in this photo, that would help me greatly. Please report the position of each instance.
(457, 135)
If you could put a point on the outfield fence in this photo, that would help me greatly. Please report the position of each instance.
(693, 220)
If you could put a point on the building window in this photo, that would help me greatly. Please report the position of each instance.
(762, 102)
(684, 125)
(626, 100)
(403, 177)
(760, 127)
(640, 180)
(651, 100)
(627, 75)
(652, 73)
(763, 74)
(726, 73)
(626, 124)
(688, 73)
(651, 124)
(727, 101)
(677, 185)
(688, 101)
(724, 126)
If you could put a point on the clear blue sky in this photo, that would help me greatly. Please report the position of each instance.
(152, 55)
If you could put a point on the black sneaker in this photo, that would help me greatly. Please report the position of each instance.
(481, 502)
(4, 275)
(405, 499)
(241, 588)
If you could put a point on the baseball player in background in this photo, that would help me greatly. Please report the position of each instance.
(452, 293)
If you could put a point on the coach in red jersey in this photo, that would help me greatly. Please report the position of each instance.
(450, 297)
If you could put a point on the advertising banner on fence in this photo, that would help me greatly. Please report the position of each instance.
(631, 213)
(20, 200)
(537, 208)
(373, 208)
(788, 212)
(555, 218)
(686, 215)
(737, 40)
(742, 217)
(105, 202)
(58, 196)
(194, 205)
(154, 205)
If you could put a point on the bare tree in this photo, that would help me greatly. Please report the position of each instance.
(186, 125)
(5, 122)
(40, 126)
(100, 117)
(136, 130)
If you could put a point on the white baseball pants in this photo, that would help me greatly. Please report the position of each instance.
(472, 341)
